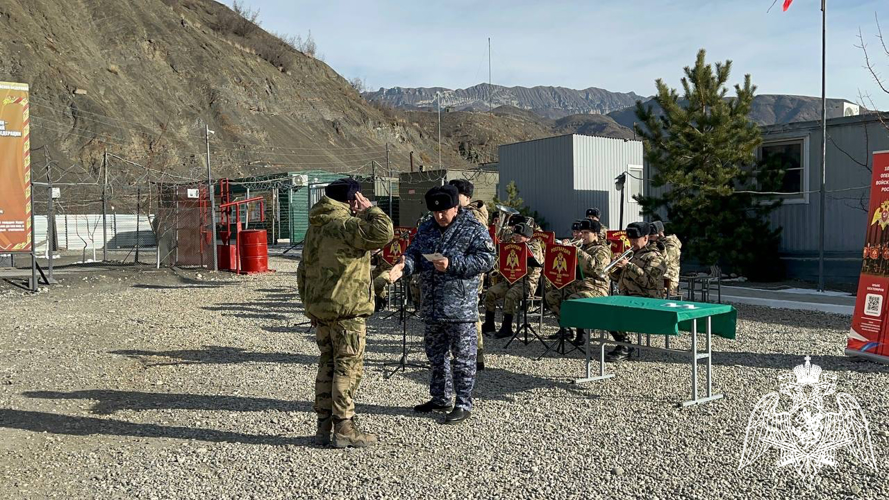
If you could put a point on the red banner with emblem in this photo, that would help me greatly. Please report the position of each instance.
(513, 261)
(869, 335)
(560, 266)
(546, 238)
(619, 241)
(393, 250)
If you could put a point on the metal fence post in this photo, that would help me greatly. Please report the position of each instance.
(138, 199)
(104, 206)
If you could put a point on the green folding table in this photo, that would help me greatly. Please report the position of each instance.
(647, 316)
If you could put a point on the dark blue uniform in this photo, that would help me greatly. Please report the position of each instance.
(450, 300)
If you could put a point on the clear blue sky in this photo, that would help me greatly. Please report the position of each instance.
(619, 45)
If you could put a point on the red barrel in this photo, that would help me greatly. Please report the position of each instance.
(254, 251)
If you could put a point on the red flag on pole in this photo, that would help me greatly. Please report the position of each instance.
(787, 4)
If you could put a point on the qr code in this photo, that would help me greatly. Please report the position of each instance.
(873, 304)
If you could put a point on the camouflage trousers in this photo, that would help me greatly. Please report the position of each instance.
(340, 366)
(554, 297)
(511, 295)
(442, 340)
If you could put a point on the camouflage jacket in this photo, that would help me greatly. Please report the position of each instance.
(451, 296)
(334, 273)
(643, 276)
(603, 233)
(672, 255)
(479, 211)
(592, 259)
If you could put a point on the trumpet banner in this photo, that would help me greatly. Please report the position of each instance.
(547, 238)
(619, 241)
(560, 265)
(393, 250)
(513, 261)
(869, 334)
(15, 168)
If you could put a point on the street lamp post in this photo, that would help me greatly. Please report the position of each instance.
(438, 98)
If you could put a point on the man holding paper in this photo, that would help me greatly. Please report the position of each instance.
(449, 252)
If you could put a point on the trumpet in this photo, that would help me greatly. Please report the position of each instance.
(626, 255)
(575, 242)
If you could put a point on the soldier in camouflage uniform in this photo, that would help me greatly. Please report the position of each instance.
(672, 255)
(641, 276)
(512, 293)
(450, 298)
(592, 257)
(594, 214)
(480, 212)
(334, 284)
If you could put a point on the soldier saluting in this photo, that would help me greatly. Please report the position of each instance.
(335, 286)
(449, 284)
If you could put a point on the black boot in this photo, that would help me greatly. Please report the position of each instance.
(505, 328)
(619, 353)
(480, 361)
(380, 303)
(580, 339)
(488, 326)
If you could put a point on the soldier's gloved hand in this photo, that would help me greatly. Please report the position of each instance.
(441, 265)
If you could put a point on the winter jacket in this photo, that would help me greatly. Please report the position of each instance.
(334, 274)
(451, 296)
(643, 276)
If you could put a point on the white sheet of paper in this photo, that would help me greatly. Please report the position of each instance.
(432, 257)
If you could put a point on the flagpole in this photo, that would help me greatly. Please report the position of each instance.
(823, 144)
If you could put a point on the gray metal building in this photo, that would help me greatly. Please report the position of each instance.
(560, 177)
(413, 187)
(851, 142)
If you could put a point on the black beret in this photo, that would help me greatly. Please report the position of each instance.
(590, 225)
(342, 189)
(463, 186)
(575, 226)
(441, 198)
(524, 230)
(638, 229)
(593, 212)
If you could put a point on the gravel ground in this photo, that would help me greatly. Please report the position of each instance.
(161, 383)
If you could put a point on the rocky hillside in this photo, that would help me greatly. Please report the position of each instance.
(548, 102)
(139, 78)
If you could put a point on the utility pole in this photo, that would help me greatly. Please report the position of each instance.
(105, 206)
(823, 145)
(212, 195)
(438, 95)
(389, 170)
(490, 86)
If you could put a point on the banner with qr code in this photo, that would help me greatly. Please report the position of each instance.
(869, 335)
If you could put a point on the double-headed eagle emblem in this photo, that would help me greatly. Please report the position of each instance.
(807, 436)
(512, 261)
(881, 215)
(560, 264)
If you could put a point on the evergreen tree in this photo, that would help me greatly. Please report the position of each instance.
(702, 151)
(513, 201)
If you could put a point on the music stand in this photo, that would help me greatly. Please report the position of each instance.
(526, 326)
(559, 346)
(402, 363)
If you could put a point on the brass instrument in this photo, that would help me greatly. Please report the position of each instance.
(626, 255)
(575, 242)
(505, 214)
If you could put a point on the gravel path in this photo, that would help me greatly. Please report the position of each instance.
(161, 384)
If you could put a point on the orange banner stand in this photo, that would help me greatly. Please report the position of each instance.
(15, 169)
(560, 266)
(513, 261)
(869, 335)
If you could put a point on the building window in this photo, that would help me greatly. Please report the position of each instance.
(790, 155)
